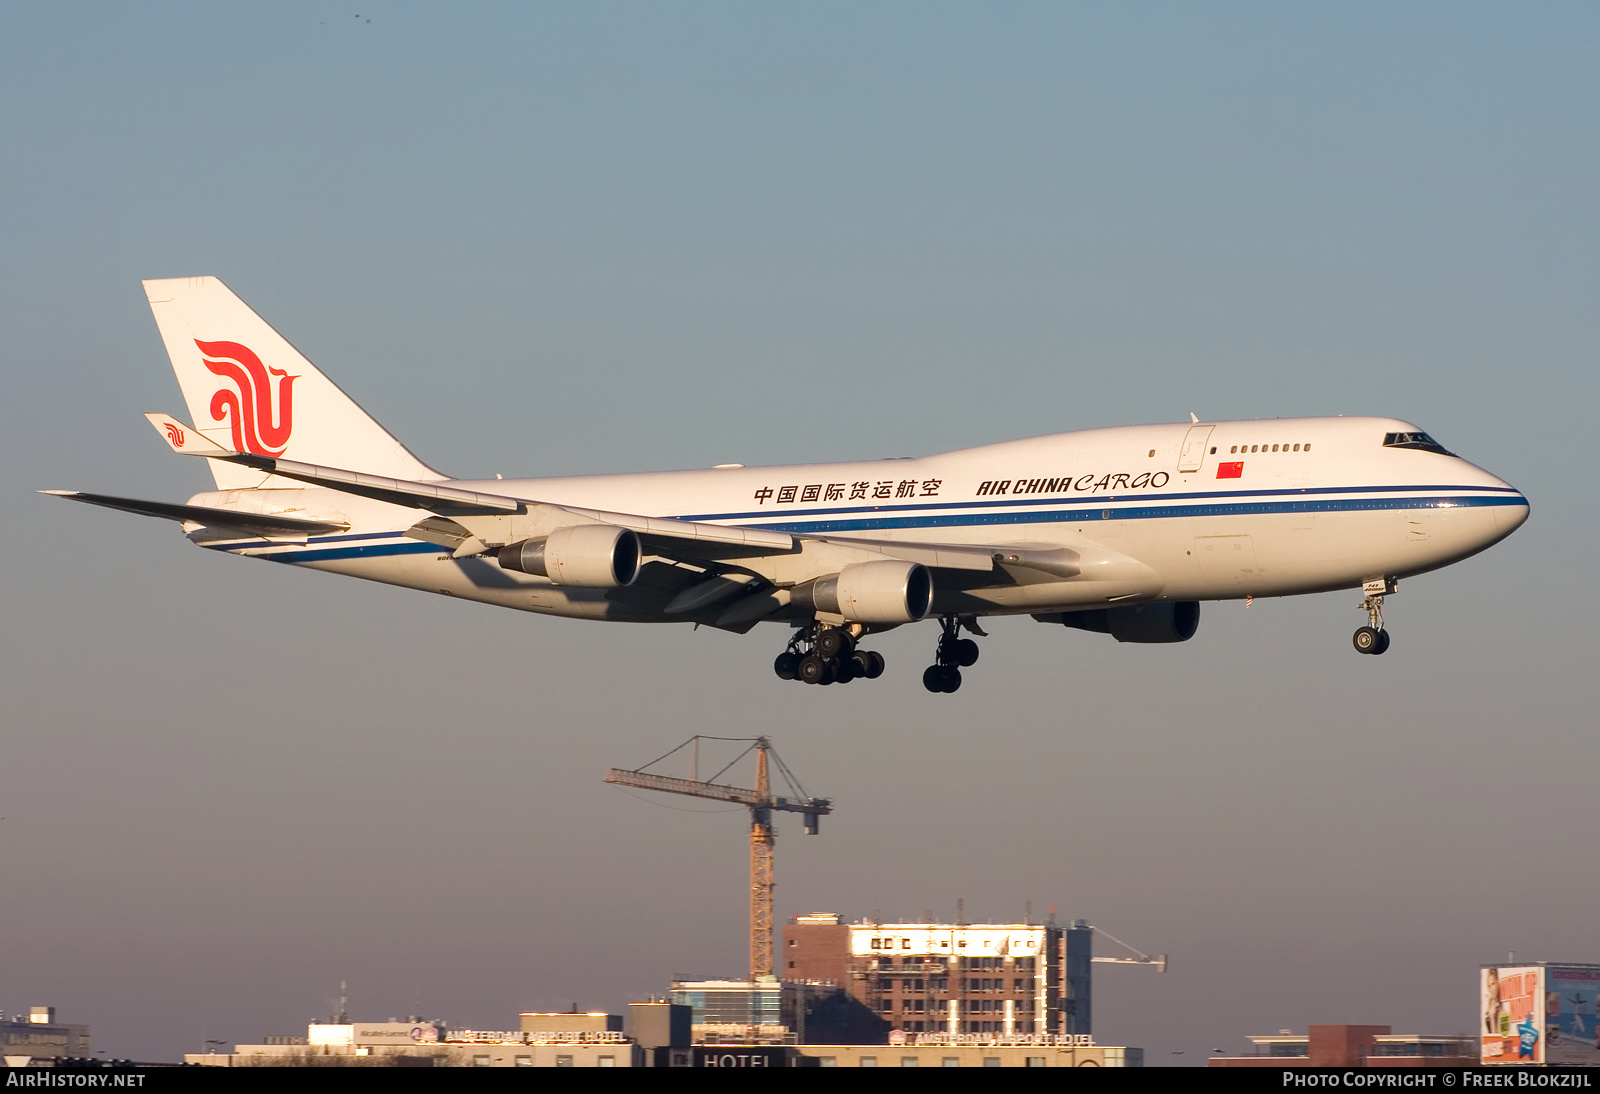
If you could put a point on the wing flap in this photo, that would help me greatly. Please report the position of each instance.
(943, 556)
(414, 495)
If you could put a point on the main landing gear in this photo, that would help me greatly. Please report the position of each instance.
(1373, 638)
(953, 654)
(827, 655)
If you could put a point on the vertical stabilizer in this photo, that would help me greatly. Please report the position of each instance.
(249, 390)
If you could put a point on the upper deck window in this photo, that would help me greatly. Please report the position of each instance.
(1415, 440)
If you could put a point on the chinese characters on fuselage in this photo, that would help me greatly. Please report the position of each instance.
(891, 489)
(887, 489)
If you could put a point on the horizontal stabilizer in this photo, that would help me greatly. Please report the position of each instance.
(260, 523)
(185, 440)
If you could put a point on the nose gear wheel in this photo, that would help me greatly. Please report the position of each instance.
(1373, 638)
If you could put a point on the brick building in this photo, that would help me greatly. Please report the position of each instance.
(999, 979)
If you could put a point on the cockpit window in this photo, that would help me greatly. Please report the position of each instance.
(1414, 440)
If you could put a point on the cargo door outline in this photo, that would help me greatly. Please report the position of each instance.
(1228, 562)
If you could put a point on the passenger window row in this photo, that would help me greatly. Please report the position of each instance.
(1238, 448)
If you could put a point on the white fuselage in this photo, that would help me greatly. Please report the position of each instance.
(1158, 513)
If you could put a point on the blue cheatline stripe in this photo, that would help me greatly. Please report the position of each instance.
(375, 550)
(1096, 500)
(1143, 512)
(349, 537)
(252, 541)
(1101, 511)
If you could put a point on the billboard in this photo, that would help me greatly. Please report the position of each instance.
(1540, 1014)
(1572, 1015)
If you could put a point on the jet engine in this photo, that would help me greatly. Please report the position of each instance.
(585, 556)
(884, 591)
(1175, 621)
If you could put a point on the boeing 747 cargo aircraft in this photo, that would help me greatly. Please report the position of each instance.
(1121, 531)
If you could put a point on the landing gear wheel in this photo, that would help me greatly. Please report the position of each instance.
(827, 655)
(833, 642)
(951, 655)
(1373, 638)
(812, 669)
(966, 652)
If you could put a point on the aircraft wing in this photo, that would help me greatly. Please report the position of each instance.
(454, 502)
(264, 524)
(939, 556)
(471, 521)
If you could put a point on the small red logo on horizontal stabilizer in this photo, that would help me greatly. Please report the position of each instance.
(1230, 470)
(174, 435)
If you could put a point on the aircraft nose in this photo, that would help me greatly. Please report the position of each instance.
(1509, 517)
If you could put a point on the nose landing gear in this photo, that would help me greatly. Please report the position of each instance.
(827, 655)
(951, 655)
(1373, 638)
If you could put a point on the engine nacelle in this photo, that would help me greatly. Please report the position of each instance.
(1174, 621)
(585, 556)
(884, 591)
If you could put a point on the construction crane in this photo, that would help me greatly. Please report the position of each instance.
(1141, 958)
(762, 804)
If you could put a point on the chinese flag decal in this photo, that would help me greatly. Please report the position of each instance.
(1230, 470)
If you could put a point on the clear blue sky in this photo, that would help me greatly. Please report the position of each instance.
(559, 238)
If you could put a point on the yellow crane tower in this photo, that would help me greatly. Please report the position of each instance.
(761, 802)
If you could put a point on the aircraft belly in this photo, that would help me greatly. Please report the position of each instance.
(1281, 554)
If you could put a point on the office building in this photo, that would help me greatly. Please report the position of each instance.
(999, 979)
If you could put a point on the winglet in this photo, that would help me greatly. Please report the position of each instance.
(185, 441)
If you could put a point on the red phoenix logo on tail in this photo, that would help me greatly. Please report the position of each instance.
(255, 428)
(174, 435)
